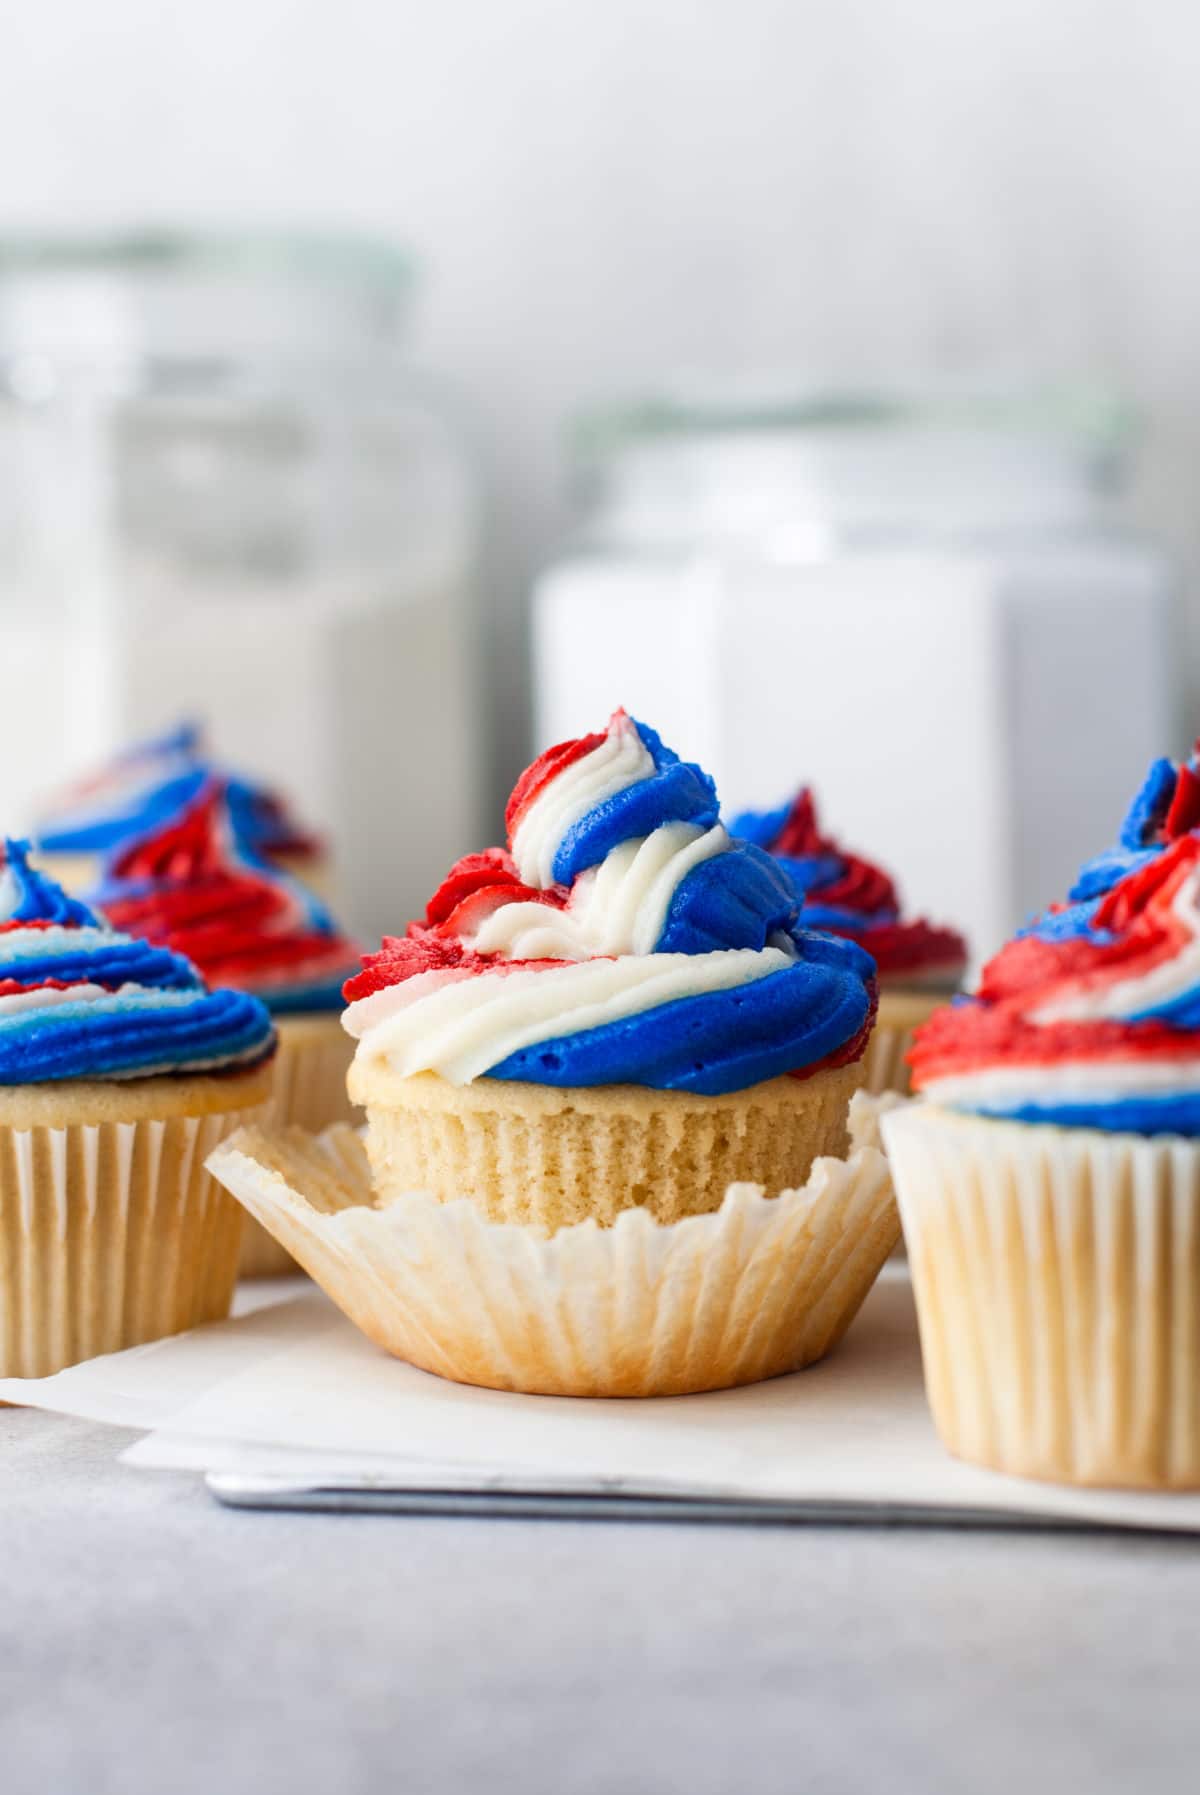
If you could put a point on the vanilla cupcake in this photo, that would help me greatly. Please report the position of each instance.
(919, 963)
(119, 1072)
(1050, 1188)
(191, 885)
(147, 786)
(607, 1082)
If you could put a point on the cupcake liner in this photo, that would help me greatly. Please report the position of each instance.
(900, 1013)
(309, 1091)
(546, 1158)
(111, 1234)
(1057, 1278)
(758, 1286)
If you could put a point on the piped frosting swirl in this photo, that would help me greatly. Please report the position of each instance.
(623, 937)
(148, 785)
(80, 1001)
(850, 896)
(191, 885)
(1091, 1016)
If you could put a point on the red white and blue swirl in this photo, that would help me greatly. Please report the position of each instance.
(191, 884)
(851, 896)
(148, 785)
(623, 937)
(78, 1000)
(1091, 1016)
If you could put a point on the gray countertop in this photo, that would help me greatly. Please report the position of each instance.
(153, 1643)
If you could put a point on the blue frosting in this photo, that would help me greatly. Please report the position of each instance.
(718, 1041)
(676, 792)
(155, 1014)
(1135, 846)
(153, 783)
(1169, 1114)
(736, 899)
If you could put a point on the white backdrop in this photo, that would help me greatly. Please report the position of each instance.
(601, 190)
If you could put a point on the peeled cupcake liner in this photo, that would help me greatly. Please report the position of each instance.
(760, 1286)
(308, 1091)
(111, 1234)
(1057, 1280)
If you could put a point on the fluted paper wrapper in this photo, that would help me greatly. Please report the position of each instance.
(760, 1286)
(110, 1235)
(1057, 1279)
(309, 1091)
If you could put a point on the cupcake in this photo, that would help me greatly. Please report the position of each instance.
(608, 1083)
(919, 963)
(146, 786)
(191, 885)
(1049, 1185)
(120, 1070)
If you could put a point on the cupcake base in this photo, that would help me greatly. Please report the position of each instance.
(309, 1090)
(756, 1286)
(111, 1230)
(546, 1158)
(1057, 1279)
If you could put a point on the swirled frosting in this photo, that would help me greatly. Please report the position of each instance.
(623, 937)
(192, 886)
(850, 896)
(78, 1000)
(1087, 1020)
(148, 785)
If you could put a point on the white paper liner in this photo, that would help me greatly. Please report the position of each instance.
(308, 1090)
(110, 1235)
(1057, 1279)
(760, 1286)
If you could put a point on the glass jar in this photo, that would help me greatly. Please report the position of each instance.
(225, 497)
(923, 602)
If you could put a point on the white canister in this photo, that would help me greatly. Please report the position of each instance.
(923, 607)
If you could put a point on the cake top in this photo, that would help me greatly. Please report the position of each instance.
(1090, 1017)
(191, 885)
(147, 785)
(78, 1000)
(621, 937)
(853, 897)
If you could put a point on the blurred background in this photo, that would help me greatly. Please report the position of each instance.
(830, 373)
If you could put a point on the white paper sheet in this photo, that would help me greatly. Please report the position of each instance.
(296, 1392)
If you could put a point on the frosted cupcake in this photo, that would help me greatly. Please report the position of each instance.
(919, 963)
(190, 885)
(119, 1072)
(607, 1082)
(147, 786)
(1050, 1190)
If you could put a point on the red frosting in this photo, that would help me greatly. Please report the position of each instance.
(185, 887)
(897, 946)
(1134, 930)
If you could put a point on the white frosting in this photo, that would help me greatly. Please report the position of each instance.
(1117, 1001)
(29, 944)
(85, 996)
(1090, 1081)
(621, 760)
(461, 1025)
(619, 907)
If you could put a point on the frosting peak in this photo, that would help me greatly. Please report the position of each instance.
(148, 784)
(192, 886)
(852, 897)
(622, 937)
(78, 1000)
